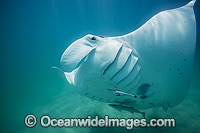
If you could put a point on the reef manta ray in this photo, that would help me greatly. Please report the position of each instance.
(149, 67)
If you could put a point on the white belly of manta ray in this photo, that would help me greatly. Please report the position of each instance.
(147, 68)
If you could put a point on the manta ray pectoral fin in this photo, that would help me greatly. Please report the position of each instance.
(59, 71)
(191, 3)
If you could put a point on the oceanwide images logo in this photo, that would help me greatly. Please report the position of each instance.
(30, 120)
(129, 123)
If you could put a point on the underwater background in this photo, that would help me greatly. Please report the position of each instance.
(33, 36)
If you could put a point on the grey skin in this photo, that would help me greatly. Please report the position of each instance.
(129, 109)
(120, 93)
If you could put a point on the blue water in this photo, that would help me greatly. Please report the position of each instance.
(33, 36)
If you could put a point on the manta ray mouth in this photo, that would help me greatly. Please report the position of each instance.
(79, 64)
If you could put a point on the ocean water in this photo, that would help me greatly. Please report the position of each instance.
(33, 36)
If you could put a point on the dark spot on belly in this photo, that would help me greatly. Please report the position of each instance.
(178, 69)
(152, 104)
(142, 89)
(168, 104)
(143, 96)
(170, 69)
(180, 73)
(184, 59)
(153, 93)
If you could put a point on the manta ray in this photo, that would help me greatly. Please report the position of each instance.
(147, 68)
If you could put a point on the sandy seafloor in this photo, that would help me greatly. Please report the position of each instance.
(69, 104)
(73, 105)
(33, 36)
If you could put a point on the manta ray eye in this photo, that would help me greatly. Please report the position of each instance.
(93, 38)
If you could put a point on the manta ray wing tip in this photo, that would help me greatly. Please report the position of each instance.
(191, 3)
